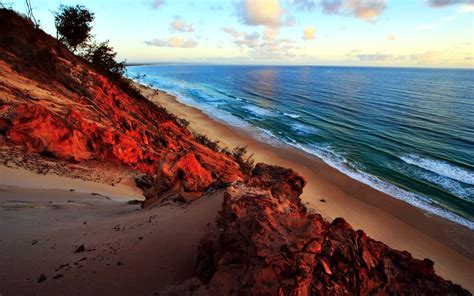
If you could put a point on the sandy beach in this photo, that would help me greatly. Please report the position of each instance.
(333, 194)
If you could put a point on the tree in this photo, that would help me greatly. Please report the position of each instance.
(102, 56)
(29, 10)
(73, 25)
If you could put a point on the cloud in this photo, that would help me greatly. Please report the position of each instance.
(391, 36)
(157, 3)
(309, 33)
(174, 41)
(428, 57)
(260, 12)
(305, 4)
(264, 46)
(178, 25)
(233, 32)
(249, 40)
(269, 34)
(377, 57)
(331, 6)
(243, 38)
(444, 3)
(367, 10)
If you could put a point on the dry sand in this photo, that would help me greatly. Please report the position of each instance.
(127, 251)
(382, 217)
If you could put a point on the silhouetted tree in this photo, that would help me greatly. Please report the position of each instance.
(73, 25)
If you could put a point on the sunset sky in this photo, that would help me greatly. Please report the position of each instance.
(415, 33)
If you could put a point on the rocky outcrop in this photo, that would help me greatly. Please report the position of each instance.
(56, 104)
(267, 243)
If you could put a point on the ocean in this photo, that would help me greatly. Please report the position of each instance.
(404, 131)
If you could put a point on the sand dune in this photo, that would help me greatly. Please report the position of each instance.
(126, 251)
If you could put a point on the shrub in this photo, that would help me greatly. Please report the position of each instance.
(182, 122)
(102, 57)
(73, 25)
(204, 140)
(245, 162)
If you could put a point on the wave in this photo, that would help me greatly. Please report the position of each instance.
(413, 199)
(292, 115)
(258, 110)
(303, 129)
(441, 168)
(458, 189)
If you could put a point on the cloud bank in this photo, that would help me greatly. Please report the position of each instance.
(174, 41)
(266, 45)
(422, 58)
(367, 10)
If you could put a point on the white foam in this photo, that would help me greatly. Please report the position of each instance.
(292, 115)
(414, 199)
(441, 168)
(303, 129)
(258, 110)
(461, 190)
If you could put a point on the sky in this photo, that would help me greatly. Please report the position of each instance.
(399, 33)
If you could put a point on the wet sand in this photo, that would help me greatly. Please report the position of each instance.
(333, 194)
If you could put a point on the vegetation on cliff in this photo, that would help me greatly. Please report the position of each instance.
(265, 241)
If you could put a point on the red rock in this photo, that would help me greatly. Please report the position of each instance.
(56, 104)
(268, 244)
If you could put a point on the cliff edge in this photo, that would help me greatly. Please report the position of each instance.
(265, 242)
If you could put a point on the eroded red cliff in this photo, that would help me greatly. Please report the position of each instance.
(56, 104)
(267, 243)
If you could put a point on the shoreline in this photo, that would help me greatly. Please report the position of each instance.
(385, 218)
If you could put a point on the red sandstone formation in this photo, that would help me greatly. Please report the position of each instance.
(54, 103)
(267, 243)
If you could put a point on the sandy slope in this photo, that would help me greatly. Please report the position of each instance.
(128, 251)
(396, 223)
(18, 177)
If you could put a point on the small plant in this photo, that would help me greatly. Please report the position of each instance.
(182, 122)
(73, 25)
(245, 162)
(204, 140)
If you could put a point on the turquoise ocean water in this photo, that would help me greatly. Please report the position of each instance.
(406, 132)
